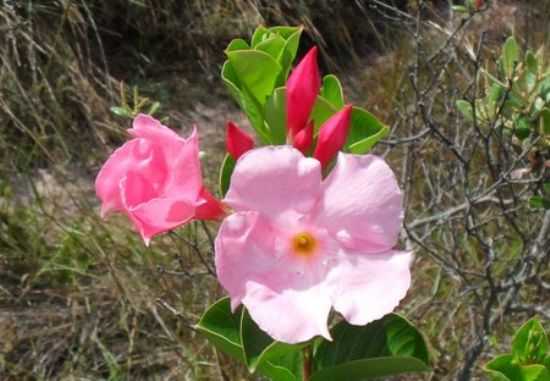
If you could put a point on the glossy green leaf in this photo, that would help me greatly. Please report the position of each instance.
(259, 34)
(289, 54)
(237, 44)
(322, 110)
(254, 112)
(285, 31)
(275, 116)
(510, 56)
(332, 91)
(226, 170)
(365, 131)
(388, 346)
(221, 327)
(368, 369)
(231, 81)
(546, 188)
(257, 71)
(503, 368)
(273, 46)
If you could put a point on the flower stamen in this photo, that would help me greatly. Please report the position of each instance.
(304, 244)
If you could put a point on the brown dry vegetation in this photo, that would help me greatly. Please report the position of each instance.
(81, 298)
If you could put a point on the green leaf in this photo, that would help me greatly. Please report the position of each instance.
(237, 44)
(460, 9)
(322, 110)
(365, 131)
(523, 128)
(332, 91)
(231, 81)
(221, 327)
(121, 111)
(388, 346)
(503, 368)
(546, 188)
(539, 202)
(257, 71)
(285, 31)
(510, 56)
(273, 46)
(545, 121)
(258, 35)
(530, 343)
(226, 170)
(368, 369)
(289, 54)
(153, 108)
(255, 115)
(275, 116)
(531, 63)
(466, 109)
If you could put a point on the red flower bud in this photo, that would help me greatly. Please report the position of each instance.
(302, 88)
(332, 135)
(304, 138)
(237, 141)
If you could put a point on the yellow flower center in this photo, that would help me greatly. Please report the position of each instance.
(304, 244)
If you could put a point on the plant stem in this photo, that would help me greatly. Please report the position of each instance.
(308, 364)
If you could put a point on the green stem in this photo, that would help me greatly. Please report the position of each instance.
(308, 363)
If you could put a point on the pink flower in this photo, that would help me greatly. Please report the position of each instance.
(332, 135)
(237, 141)
(155, 179)
(302, 88)
(298, 244)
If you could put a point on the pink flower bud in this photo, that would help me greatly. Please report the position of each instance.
(302, 88)
(332, 135)
(237, 141)
(304, 138)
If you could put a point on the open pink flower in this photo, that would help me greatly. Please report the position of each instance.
(155, 179)
(298, 245)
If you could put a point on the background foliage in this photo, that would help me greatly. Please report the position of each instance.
(84, 299)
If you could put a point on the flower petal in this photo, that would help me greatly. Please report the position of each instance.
(274, 181)
(368, 286)
(361, 203)
(153, 215)
(147, 127)
(290, 305)
(209, 207)
(184, 178)
(137, 155)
